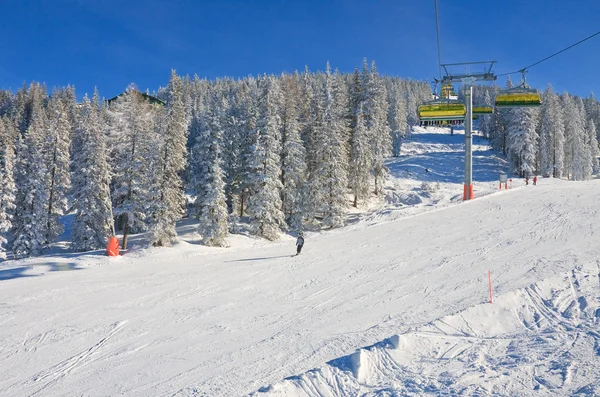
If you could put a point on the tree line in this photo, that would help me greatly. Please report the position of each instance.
(277, 153)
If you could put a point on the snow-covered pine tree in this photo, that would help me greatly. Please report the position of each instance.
(93, 222)
(360, 159)
(199, 128)
(360, 156)
(330, 178)
(57, 157)
(309, 118)
(592, 144)
(230, 121)
(31, 180)
(585, 154)
(522, 140)
(6, 102)
(134, 156)
(592, 109)
(578, 162)
(173, 152)
(21, 111)
(500, 121)
(7, 183)
(248, 141)
(234, 122)
(196, 94)
(210, 206)
(375, 111)
(264, 205)
(552, 135)
(486, 119)
(69, 101)
(293, 156)
(397, 117)
(412, 99)
(188, 102)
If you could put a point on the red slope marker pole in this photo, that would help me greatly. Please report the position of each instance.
(490, 282)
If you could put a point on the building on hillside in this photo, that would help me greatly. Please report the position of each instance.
(152, 100)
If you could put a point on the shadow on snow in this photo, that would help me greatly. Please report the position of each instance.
(19, 272)
(260, 259)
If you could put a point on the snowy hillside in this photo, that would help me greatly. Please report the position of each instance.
(396, 303)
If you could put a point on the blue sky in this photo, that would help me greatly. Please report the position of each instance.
(109, 44)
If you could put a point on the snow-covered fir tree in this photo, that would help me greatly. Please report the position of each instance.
(264, 204)
(485, 121)
(31, 179)
(93, 221)
(170, 206)
(360, 156)
(577, 155)
(375, 112)
(235, 120)
(592, 143)
(6, 102)
(210, 206)
(552, 135)
(309, 118)
(499, 122)
(7, 183)
(397, 117)
(592, 109)
(522, 140)
(134, 159)
(293, 156)
(330, 178)
(57, 153)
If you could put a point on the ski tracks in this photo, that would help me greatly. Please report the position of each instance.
(54, 374)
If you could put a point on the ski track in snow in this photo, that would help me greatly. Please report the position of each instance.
(406, 281)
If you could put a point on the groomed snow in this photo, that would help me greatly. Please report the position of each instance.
(406, 281)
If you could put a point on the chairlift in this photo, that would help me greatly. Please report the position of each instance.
(442, 109)
(520, 96)
(448, 92)
(437, 110)
(483, 110)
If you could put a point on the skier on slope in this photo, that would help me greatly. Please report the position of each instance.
(299, 243)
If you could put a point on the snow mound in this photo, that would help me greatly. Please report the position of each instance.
(537, 341)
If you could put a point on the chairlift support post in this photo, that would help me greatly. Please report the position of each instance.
(467, 80)
(468, 187)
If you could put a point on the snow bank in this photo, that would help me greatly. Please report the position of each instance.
(537, 341)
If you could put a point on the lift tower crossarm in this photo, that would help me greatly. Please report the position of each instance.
(487, 75)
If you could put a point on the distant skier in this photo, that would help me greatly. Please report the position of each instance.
(299, 243)
(534, 180)
(526, 180)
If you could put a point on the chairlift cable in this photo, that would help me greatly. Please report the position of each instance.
(548, 57)
(437, 32)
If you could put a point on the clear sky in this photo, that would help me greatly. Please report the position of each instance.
(111, 43)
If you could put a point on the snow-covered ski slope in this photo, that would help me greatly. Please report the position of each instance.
(396, 303)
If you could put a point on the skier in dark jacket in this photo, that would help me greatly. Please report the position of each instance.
(299, 243)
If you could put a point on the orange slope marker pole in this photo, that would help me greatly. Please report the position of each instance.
(490, 282)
